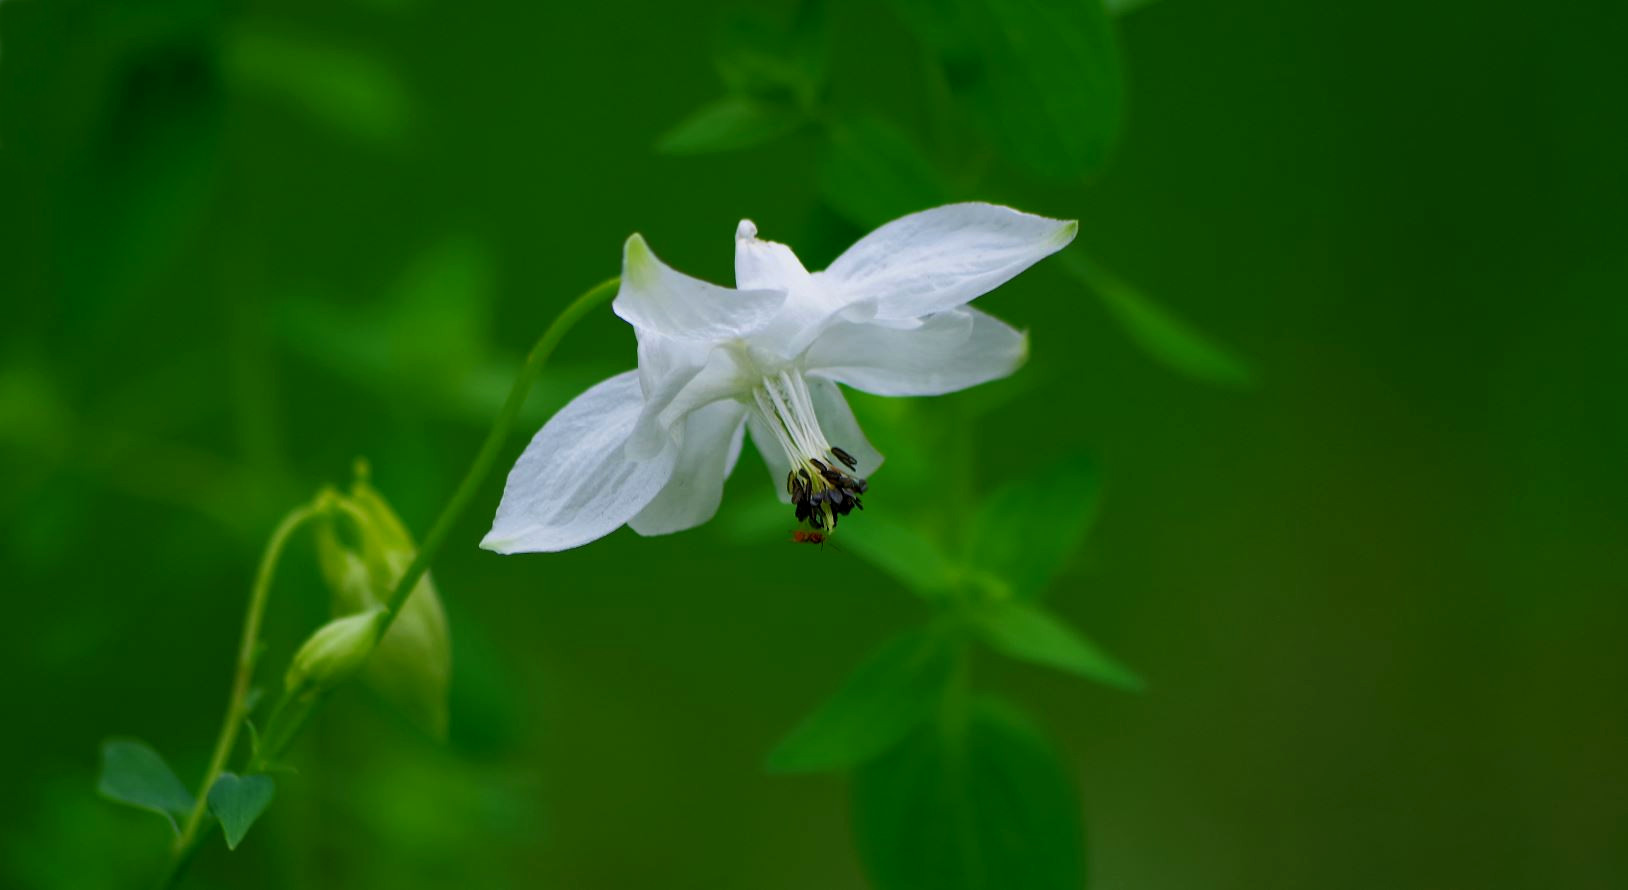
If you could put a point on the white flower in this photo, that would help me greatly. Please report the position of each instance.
(651, 448)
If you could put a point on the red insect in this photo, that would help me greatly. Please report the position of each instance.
(804, 536)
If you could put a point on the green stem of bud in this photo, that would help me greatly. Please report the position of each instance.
(186, 842)
(292, 711)
(294, 708)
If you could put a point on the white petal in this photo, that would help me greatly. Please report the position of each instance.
(711, 444)
(774, 457)
(575, 483)
(839, 426)
(656, 298)
(942, 258)
(680, 392)
(809, 306)
(765, 264)
(947, 352)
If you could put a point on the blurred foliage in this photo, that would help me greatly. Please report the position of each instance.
(1038, 80)
(978, 802)
(244, 244)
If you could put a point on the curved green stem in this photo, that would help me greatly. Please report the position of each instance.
(501, 427)
(291, 713)
(187, 840)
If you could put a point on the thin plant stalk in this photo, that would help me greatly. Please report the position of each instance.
(248, 650)
(289, 716)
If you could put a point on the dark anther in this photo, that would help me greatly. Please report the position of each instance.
(847, 459)
(821, 494)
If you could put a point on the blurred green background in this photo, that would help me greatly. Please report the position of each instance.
(1379, 595)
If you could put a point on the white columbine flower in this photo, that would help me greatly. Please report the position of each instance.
(651, 448)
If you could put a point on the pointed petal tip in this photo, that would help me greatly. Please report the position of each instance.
(639, 263)
(1067, 231)
(496, 544)
(746, 231)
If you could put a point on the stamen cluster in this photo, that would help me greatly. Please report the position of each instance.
(826, 493)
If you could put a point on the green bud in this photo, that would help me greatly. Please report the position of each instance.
(363, 550)
(336, 651)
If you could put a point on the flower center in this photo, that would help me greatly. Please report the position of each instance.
(820, 482)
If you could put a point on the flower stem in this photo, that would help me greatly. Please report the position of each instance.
(501, 427)
(186, 842)
(291, 713)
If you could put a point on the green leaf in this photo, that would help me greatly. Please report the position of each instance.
(133, 773)
(881, 702)
(983, 806)
(873, 172)
(1168, 339)
(237, 801)
(1024, 533)
(728, 124)
(1028, 633)
(1042, 75)
(902, 553)
(346, 90)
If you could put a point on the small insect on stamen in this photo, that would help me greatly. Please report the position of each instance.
(802, 536)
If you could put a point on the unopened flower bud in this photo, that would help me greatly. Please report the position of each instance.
(363, 550)
(335, 652)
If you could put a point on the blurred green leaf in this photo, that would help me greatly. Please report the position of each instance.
(901, 552)
(33, 410)
(784, 63)
(1052, 92)
(728, 124)
(1043, 75)
(1168, 339)
(983, 806)
(237, 801)
(429, 340)
(879, 704)
(441, 306)
(133, 773)
(1024, 533)
(349, 91)
(872, 172)
(147, 180)
(1029, 633)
